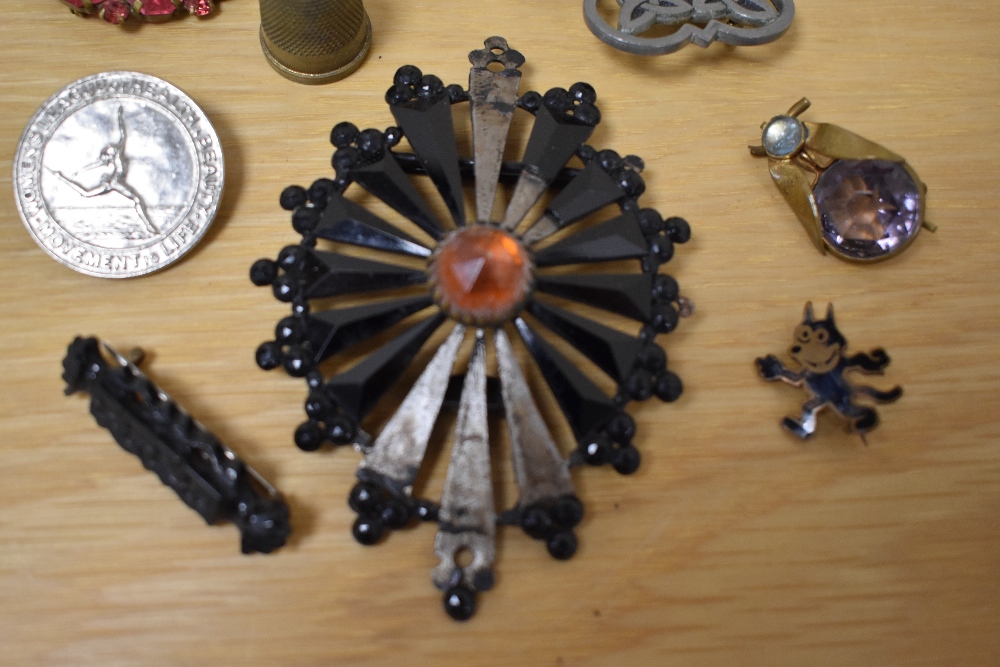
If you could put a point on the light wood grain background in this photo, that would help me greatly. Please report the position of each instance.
(733, 544)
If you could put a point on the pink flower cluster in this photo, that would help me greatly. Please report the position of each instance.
(117, 11)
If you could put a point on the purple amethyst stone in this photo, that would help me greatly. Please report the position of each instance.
(869, 209)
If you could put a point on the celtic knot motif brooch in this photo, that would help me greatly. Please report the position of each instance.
(502, 285)
(738, 22)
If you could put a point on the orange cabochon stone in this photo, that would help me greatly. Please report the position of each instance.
(481, 274)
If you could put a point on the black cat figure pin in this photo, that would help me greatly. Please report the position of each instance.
(821, 351)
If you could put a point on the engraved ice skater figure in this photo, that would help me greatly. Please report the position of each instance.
(113, 156)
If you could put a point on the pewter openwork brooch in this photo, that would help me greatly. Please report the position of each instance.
(738, 22)
(505, 283)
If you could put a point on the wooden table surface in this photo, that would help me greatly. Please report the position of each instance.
(733, 544)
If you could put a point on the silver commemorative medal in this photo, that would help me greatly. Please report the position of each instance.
(118, 174)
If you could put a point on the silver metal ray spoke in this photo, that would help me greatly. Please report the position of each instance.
(467, 518)
(529, 189)
(400, 447)
(492, 96)
(544, 228)
(541, 473)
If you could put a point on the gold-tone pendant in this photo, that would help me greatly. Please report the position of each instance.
(855, 198)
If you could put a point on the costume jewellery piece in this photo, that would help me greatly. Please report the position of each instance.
(859, 200)
(821, 351)
(146, 422)
(118, 11)
(738, 22)
(489, 277)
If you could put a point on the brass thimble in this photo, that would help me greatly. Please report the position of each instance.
(314, 41)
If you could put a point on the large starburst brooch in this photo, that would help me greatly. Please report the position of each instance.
(496, 280)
